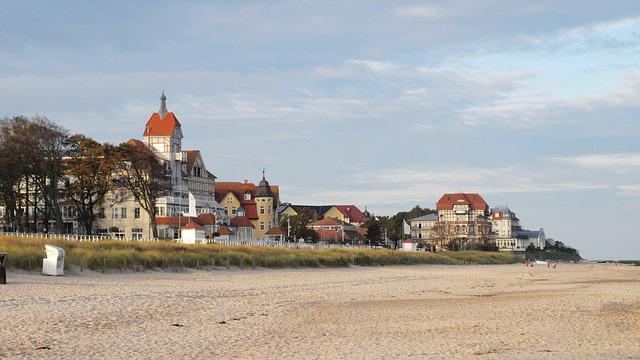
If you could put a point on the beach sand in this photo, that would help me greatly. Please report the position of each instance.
(578, 311)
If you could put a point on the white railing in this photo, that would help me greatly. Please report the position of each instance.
(231, 242)
(70, 237)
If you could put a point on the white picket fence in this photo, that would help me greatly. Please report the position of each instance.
(263, 243)
(70, 237)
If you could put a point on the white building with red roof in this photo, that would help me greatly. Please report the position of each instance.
(189, 175)
(463, 218)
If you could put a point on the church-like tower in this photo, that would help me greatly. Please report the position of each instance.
(163, 135)
(267, 217)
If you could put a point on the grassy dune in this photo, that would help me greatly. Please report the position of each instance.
(27, 253)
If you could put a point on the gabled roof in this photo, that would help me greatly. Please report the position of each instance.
(241, 221)
(192, 156)
(240, 188)
(475, 201)
(207, 219)
(223, 230)
(161, 127)
(352, 212)
(192, 225)
(329, 222)
(175, 220)
(275, 231)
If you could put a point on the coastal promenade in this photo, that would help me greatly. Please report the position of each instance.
(586, 311)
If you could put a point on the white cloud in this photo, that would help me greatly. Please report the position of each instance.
(421, 11)
(622, 162)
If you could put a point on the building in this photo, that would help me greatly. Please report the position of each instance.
(504, 225)
(336, 231)
(463, 219)
(192, 233)
(242, 228)
(409, 245)
(347, 213)
(257, 203)
(294, 210)
(423, 227)
(188, 174)
(535, 238)
(508, 235)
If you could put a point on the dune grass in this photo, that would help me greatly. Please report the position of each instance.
(27, 254)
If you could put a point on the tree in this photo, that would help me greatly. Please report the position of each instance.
(32, 151)
(299, 223)
(374, 229)
(89, 171)
(144, 176)
(51, 141)
(393, 225)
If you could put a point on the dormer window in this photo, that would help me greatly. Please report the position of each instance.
(247, 196)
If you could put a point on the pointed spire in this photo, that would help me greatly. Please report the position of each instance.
(163, 106)
(263, 174)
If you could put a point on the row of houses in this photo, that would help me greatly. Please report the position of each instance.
(463, 219)
(197, 207)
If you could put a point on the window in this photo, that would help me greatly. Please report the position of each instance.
(247, 196)
(261, 210)
(123, 213)
(136, 234)
(101, 213)
(262, 226)
(136, 213)
(196, 171)
(114, 213)
(234, 210)
(268, 209)
(229, 199)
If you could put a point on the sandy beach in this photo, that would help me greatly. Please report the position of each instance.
(575, 311)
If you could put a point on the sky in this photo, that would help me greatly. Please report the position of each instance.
(382, 104)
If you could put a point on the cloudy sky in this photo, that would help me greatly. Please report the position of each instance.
(383, 104)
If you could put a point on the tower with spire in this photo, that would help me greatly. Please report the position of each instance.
(267, 217)
(163, 135)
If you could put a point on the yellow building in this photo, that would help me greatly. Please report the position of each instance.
(256, 203)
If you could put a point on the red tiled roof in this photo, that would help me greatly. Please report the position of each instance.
(207, 219)
(239, 189)
(241, 221)
(275, 231)
(352, 212)
(192, 155)
(475, 201)
(223, 230)
(173, 220)
(326, 222)
(336, 235)
(161, 127)
(193, 225)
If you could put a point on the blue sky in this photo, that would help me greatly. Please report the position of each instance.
(382, 104)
